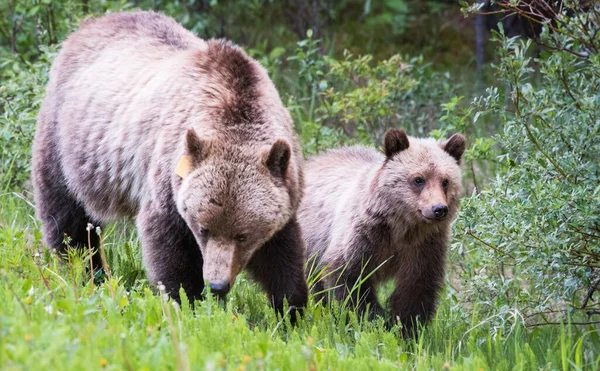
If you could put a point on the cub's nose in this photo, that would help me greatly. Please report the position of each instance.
(440, 211)
(220, 288)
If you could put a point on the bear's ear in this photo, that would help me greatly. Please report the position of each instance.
(455, 146)
(197, 148)
(278, 158)
(395, 141)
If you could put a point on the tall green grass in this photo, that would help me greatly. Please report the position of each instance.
(53, 318)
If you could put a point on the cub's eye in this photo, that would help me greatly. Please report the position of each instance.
(204, 232)
(445, 183)
(241, 237)
(419, 181)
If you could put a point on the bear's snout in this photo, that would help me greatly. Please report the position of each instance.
(219, 288)
(440, 211)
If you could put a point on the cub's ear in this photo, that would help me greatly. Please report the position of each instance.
(278, 158)
(197, 148)
(395, 141)
(455, 146)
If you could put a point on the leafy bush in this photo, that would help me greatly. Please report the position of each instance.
(530, 242)
(21, 95)
(355, 99)
(33, 33)
(26, 27)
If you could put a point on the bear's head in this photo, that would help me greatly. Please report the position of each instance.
(421, 178)
(233, 200)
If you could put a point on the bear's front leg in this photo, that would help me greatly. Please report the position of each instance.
(279, 267)
(171, 253)
(413, 304)
(354, 277)
(414, 299)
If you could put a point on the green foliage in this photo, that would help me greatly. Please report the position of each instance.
(530, 242)
(355, 99)
(26, 27)
(31, 32)
(21, 95)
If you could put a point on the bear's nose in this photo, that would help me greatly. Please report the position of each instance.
(440, 211)
(220, 288)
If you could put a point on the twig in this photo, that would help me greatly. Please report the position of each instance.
(539, 147)
(474, 177)
(89, 231)
(281, 321)
(586, 253)
(123, 350)
(490, 246)
(562, 138)
(590, 292)
(560, 49)
(582, 265)
(46, 283)
(105, 262)
(167, 310)
(519, 95)
(563, 323)
(586, 234)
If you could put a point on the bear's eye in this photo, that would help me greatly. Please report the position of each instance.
(445, 183)
(204, 232)
(419, 181)
(241, 237)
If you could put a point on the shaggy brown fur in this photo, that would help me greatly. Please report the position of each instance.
(388, 214)
(129, 95)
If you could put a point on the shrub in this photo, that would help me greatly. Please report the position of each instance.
(355, 99)
(21, 95)
(36, 29)
(530, 241)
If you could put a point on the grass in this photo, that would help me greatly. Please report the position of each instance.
(52, 318)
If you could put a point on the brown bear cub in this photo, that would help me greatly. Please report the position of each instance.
(369, 217)
(190, 137)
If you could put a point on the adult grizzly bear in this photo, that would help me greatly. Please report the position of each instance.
(144, 119)
(376, 217)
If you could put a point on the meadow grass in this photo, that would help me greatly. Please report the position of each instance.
(53, 318)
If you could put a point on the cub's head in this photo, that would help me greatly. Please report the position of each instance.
(421, 178)
(233, 200)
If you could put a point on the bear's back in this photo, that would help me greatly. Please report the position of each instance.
(149, 32)
(107, 100)
(336, 183)
(125, 88)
